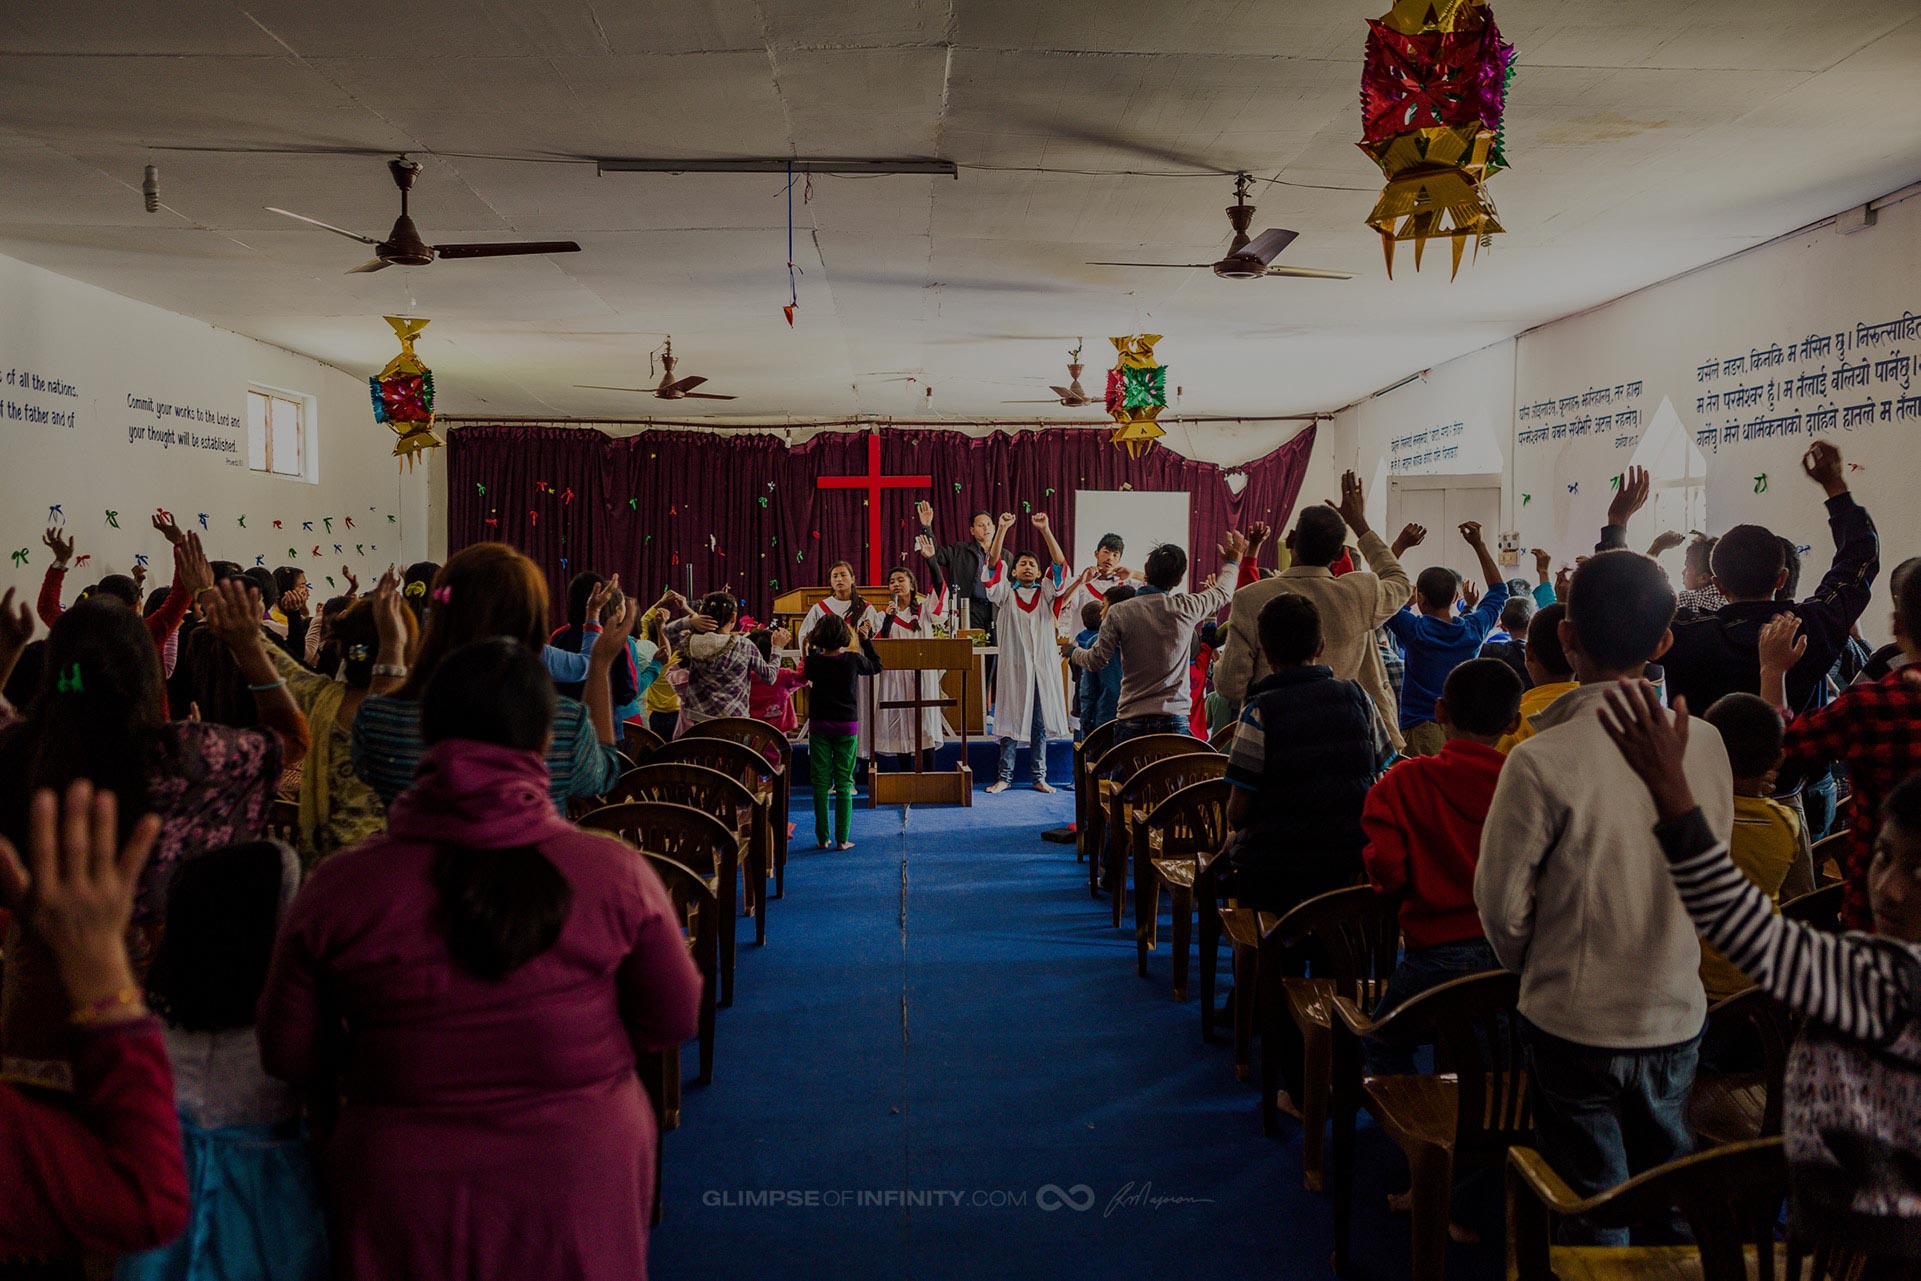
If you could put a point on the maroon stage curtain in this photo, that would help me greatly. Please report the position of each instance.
(742, 510)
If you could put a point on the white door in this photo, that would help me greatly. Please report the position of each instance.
(1443, 503)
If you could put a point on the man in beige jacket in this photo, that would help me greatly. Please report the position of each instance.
(1352, 607)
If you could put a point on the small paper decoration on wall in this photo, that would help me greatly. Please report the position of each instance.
(1433, 97)
(1136, 394)
(113, 519)
(1761, 483)
(55, 516)
(403, 394)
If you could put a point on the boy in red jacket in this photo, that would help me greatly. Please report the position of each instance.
(1423, 822)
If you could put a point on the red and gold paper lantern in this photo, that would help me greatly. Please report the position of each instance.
(1136, 394)
(403, 394)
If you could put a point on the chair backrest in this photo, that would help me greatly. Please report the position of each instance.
(695, 903)
(283, 823)
(1773, 1028)
(1095, 744)
(1359, 932)
(1829, 847)
(1223, 738)
(638, 742)
(756, 734)
(728, 756)
(1157, 780)
(1475, 1024)
(1820, 908)
(1123, 760)
(680, 784)
(686, 834)
(1192, 820)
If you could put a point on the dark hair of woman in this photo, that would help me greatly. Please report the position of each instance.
(485, 590)
(831, 632)
(499, 908)
(720, 607)
(579, 592)
(763, 640)
(356, 641)
(208, 676)
(155, 599)
(915, 597)
(223, 910)
(95, 715)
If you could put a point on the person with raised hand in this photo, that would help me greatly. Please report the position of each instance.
(1030, 699)
(101, 1173)
(1435, 641)
(1852, 1116)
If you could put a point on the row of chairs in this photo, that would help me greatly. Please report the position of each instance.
(1158, 808)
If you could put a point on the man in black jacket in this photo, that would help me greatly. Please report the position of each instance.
(1717, 654)
(962, 563)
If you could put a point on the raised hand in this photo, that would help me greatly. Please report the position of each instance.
(1666, 541)
(1822, 463)
(1781, 645)
(294, 603)
(1005, 522)
(353, 583)
(1543, 562)
(193, 572)
(1207, 584)
(139, 574)
(1471, 534)
(866, 629)
(163, 522)
(924, 545)
(1563, 577)
(924, 510)
(1654, 746)
(389, 606)
(233, 612)
(704, 623)
(1039, 520)
(60, 544)
(1233, 547)
(601, 595)
(16, 624)
(611, 644)
(1257, 533)
(1411, 535)
(1631, 497)
(781, 638)
(1353, 504)
(1470, 593)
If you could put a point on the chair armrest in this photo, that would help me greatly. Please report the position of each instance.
(1530, 1169)
(1349, 1014)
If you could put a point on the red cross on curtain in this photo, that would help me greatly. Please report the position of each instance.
(874, 483)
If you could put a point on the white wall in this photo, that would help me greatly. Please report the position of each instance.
(1825, 301)
(110, 350)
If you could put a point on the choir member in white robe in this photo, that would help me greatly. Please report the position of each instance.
(909, 615)
(1029, 699)
(1092, 584)
(849, 606)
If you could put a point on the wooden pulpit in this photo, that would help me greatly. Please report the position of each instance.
(920, 785)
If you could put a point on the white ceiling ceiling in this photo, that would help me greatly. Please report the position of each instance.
(1648, 136)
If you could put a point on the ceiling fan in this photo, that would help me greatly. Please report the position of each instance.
(403, 246)
(1073, 395)
(669, 387)
(1247, 259)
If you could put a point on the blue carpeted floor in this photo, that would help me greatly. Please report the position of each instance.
(943, 1038)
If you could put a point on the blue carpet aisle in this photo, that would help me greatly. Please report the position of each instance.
(941, 1039)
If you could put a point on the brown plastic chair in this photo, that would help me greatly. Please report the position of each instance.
(1819, 908)
(752, 770)
(1107, 838)
(1184, 833)
(699, 912)
(1466, 1116)
(1223, 738)
(1358, 934)
(1143, 794)
(1086, 753)
(638, 742)
(680, 783)
(775, 748)
(1826, 853)
(1730, 1107)
(1730, 1198)
(688, 833)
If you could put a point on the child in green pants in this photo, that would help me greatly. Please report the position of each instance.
(833, 676)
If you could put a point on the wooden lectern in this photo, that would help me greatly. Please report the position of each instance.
(920, 785)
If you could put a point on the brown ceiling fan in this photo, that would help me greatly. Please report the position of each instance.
(403, 246)
(669, 387)
(1247, 259)
(1073, 395)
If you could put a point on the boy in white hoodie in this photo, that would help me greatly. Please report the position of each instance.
(1575, 896)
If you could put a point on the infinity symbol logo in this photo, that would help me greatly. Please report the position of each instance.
(1052, 1196)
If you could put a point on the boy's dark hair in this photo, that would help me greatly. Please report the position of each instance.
(1903, 805)
(262, 578)
(1290, 629)
(498, 908)
(1091, 615)
(1747, 560)
(1166, 566)
(1483, 696)
(118, 587)
(1700, 553)
(719, 606)
(1544, 641)
(831, 632)
(1320, 535)
(1110, 543)
(223, 910)
(1791, 560)
(1517, 613)
(1021, 556)
(1123, 592)
(1621, 605)
(1752, 731)
(1438, 586)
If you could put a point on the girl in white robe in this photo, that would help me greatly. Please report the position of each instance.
(909, 615)
(1030, 700)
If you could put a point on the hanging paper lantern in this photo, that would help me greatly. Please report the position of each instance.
(1433, 101)
(1136, 393)
(403, 394)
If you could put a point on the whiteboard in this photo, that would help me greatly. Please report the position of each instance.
(1143, 518)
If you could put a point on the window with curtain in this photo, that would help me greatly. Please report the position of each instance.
(277, 432)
